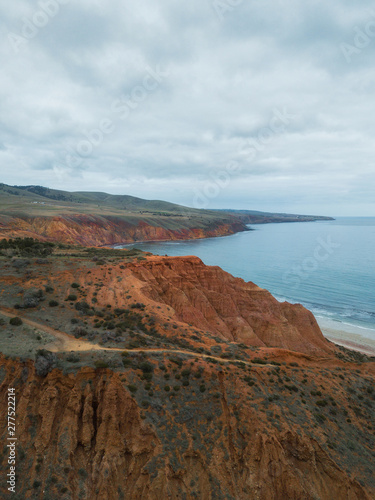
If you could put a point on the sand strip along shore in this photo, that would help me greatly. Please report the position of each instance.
(353, 341)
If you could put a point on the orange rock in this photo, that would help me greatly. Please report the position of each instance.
(87, 433)
(95, 230)
(211, 299)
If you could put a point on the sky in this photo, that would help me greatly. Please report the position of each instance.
(257, 104)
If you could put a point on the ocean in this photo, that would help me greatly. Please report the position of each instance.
(328, 266)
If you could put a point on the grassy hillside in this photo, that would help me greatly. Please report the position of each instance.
(91, 218)
(103, 219)
(39, 199)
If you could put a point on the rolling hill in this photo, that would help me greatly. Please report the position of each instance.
(96, 218)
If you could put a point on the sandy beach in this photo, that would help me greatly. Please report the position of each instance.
(349, 336)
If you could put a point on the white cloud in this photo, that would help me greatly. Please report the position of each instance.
(225, 78)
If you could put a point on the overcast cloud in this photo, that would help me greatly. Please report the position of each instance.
(259, 104)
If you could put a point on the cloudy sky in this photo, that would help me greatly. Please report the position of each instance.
(259, 104)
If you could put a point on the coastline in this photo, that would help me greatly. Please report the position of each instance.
(351, 338)
(246, 229)
(119, 246)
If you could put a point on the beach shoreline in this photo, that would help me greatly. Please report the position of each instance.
(350, 340)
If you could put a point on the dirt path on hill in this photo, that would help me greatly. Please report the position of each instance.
(68, 343)
(65, 342)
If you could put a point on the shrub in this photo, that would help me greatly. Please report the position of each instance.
(53, 303)
(72, 297)
(292, 387)
(82, 306)
(321, 402)
(79, 331)
(82, 473)
(320, 418)
(32, 297)
(45, 361)
(101, 364)
(137, 306)
(132, 388)
(259, 361)
(167, 388)
(72, 358)
(28, 246)
(316, 393)
(74, 285)
(15, 321)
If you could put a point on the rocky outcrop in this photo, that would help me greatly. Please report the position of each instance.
(186, 290)
(94, 230)
(84, 436)
(80, 427)
(211, 299)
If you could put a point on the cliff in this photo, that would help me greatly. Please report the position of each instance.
(85, 436)
(95, 230)
(211, 299)
(98, 219)
(256, 217)
(184, 290)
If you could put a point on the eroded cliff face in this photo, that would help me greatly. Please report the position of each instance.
(85, 436)
(183, 289)
(211, 299)
(94, 230)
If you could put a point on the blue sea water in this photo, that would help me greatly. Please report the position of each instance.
(328, 266)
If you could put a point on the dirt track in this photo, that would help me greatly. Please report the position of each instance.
(65, 342)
